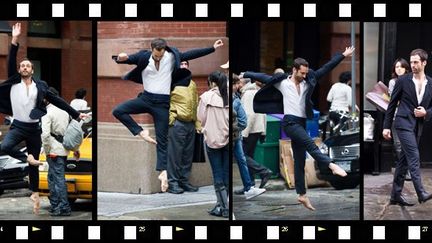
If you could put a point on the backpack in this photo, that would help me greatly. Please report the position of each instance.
(73, 136)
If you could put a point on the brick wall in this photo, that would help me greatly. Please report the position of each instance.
(130, 37)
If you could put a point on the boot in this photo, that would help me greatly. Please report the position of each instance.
(216, 211)
(222, 195)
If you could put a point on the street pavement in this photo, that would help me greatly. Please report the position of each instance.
(16, 205)
(377, 191)
(158, 206)
(280, 203)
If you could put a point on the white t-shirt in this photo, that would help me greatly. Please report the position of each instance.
(159, 81)
(340, 97)
(79, 104)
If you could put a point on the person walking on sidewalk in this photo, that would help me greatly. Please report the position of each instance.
(291, 95)
(239, 124)
(412, 95)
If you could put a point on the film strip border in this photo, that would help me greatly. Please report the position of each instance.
(171, 231)
(151, 10)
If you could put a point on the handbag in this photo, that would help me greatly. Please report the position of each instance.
(199, 150)
(379, 97)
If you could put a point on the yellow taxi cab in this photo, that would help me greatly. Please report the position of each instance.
(78, 173)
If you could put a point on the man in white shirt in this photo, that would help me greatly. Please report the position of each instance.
(412, 95)
(23, 97)
(154, 71)
(340, 96)
(291, 95)
(79, 103)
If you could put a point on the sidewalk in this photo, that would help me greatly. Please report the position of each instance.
(159, 206)
(280, 203)
(377, 191)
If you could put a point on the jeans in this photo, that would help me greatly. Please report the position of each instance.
(156, 105)
(241, 162)
(31, 134)
(219, 162)
(57, 184)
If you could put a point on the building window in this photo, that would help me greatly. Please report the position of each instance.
(44, 29)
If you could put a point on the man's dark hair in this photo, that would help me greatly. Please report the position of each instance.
(300, 62)
(80, 93)
(186, 61)
(344, 77)
(158, 44)
(421, 53)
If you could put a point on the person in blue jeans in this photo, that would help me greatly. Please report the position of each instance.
(213, 113)
(239, 124)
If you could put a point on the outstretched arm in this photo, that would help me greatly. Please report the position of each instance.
(196, 53)
(334, 62)
(62, 104)
(262, 77)
(124, 58)
(12, 62)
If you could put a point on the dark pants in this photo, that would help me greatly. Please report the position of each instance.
(181, 138)
(219, 162)
(249, 145)
(156, 105)
(295, 128)
(409, 160)
(57, 184)
(31, 134)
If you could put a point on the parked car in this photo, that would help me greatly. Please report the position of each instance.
(78, 173)
(344, 148)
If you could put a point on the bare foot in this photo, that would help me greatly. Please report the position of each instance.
(163, 177)
(36, 202)
(303, 199)
(337, 170)
(145, 134)
(31, 160)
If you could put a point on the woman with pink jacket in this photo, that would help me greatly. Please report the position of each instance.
(213, 113)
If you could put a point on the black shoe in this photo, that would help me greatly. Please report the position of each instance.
(265, 178)
(424, 197)
(400, 201)
(175, 189)
(60, 213)
(239, 191)
(189, 188)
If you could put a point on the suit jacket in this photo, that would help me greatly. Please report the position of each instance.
(141, 59)
(404, 93)
(40, 109)
(270, 100)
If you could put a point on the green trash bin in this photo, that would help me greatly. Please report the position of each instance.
(267, 154)
(272, 130)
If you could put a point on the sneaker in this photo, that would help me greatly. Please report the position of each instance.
(239, 191)
(253, 192)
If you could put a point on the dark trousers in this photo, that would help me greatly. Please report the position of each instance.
(57, 184)
(295, 128)
(219, 162)
(181, 138)
(31, 134)
(409, 160)
(156, 105)
(249, 145)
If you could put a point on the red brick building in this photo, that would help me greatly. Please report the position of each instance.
(130, 37)
(61, 52)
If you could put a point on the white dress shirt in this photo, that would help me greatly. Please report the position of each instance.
(340, 97)
(422, 88)
(293, 102)
(79, 104)
(159, 81)
(23, 100)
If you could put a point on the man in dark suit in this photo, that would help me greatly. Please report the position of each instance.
(412, 95)
(291, 95)
(22, 96)
(154, 70)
